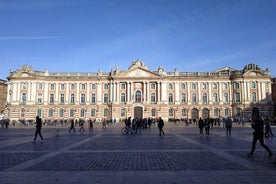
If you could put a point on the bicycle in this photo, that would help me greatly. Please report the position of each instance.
(127, 130)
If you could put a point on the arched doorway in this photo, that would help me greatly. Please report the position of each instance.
(138, 112)
(205, 113)
(194, 113)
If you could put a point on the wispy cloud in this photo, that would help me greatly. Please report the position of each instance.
(27, 37)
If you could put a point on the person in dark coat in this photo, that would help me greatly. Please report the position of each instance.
(258, 134)
(228, 125)
(160, 125)
(72, 126)
(38, 129)
(200, 125)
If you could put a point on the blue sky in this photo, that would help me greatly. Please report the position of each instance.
(88, 35)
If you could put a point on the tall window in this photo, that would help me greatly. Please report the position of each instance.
(72, 112)
(61, 98)
(83, 86)
(24, 85)
(238, 100)
(50, 113)
(226, 112)
(93, 112)
(105, 112)
(183, 86)
(61, 113)
(105, 86)
(253, 84)
(123, 97)
(123, 112)
(193, 98)
(237, 85)
(52, 98)
(216, 112)
(40, 86)
(215, 97)
(184, 112)
(93, 98)
(39, 98)
(225, 96)
(204, 86)
(215, 86)
(62, 86)
(170, 98)
(72, 99)
(225, 86)
(52, 86)
(170, 112)
(22, 113)
(123, 86)
(183, 97)
(23, 98)
(138, 96)
(152, 85)
(82, 98)
(153, 112)
(193, 86)
(204, 98)
(73, 86)
(170, 86)
(38, 112)
(254, 97)
(82, 113)
(105, 98)
(152, 98)
(93, 86)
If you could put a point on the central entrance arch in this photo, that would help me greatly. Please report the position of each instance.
(138, 112)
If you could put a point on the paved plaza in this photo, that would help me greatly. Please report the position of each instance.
(182, 155)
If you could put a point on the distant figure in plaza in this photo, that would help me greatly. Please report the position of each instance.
(81, 126)
(268, 132)
(72, 126)
(90, 124)
(258, 134)
(200, 125)
(160, 125)
(38, 129)
(228, 125)
(104, 123)
(207, 126)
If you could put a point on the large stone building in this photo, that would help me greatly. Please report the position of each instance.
(138, 92)
(3, 95)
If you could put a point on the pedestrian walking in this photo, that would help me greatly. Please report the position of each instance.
(207, 126)
(268, 132)
(200, 125)
(90, 123)
(72, 126)
(228, 125)
(160, 125)
(38, 129)
(258, 134)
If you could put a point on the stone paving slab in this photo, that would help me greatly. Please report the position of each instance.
(107, 156)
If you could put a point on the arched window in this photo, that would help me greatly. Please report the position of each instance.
(72, 99)
(93, 98)
(93, 86)
(253, 84)
(184, 112)
(39, 98)
(40, 86)
(225, 86)
(105, 86)
(82, 98)
(170, 86)
(215, 86)
(83, 86)
(73, 86)
(170, 112)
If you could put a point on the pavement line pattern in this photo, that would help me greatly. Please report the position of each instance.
(29, 163)
(223, 154)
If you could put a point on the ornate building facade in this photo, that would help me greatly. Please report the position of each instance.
(138, 92)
